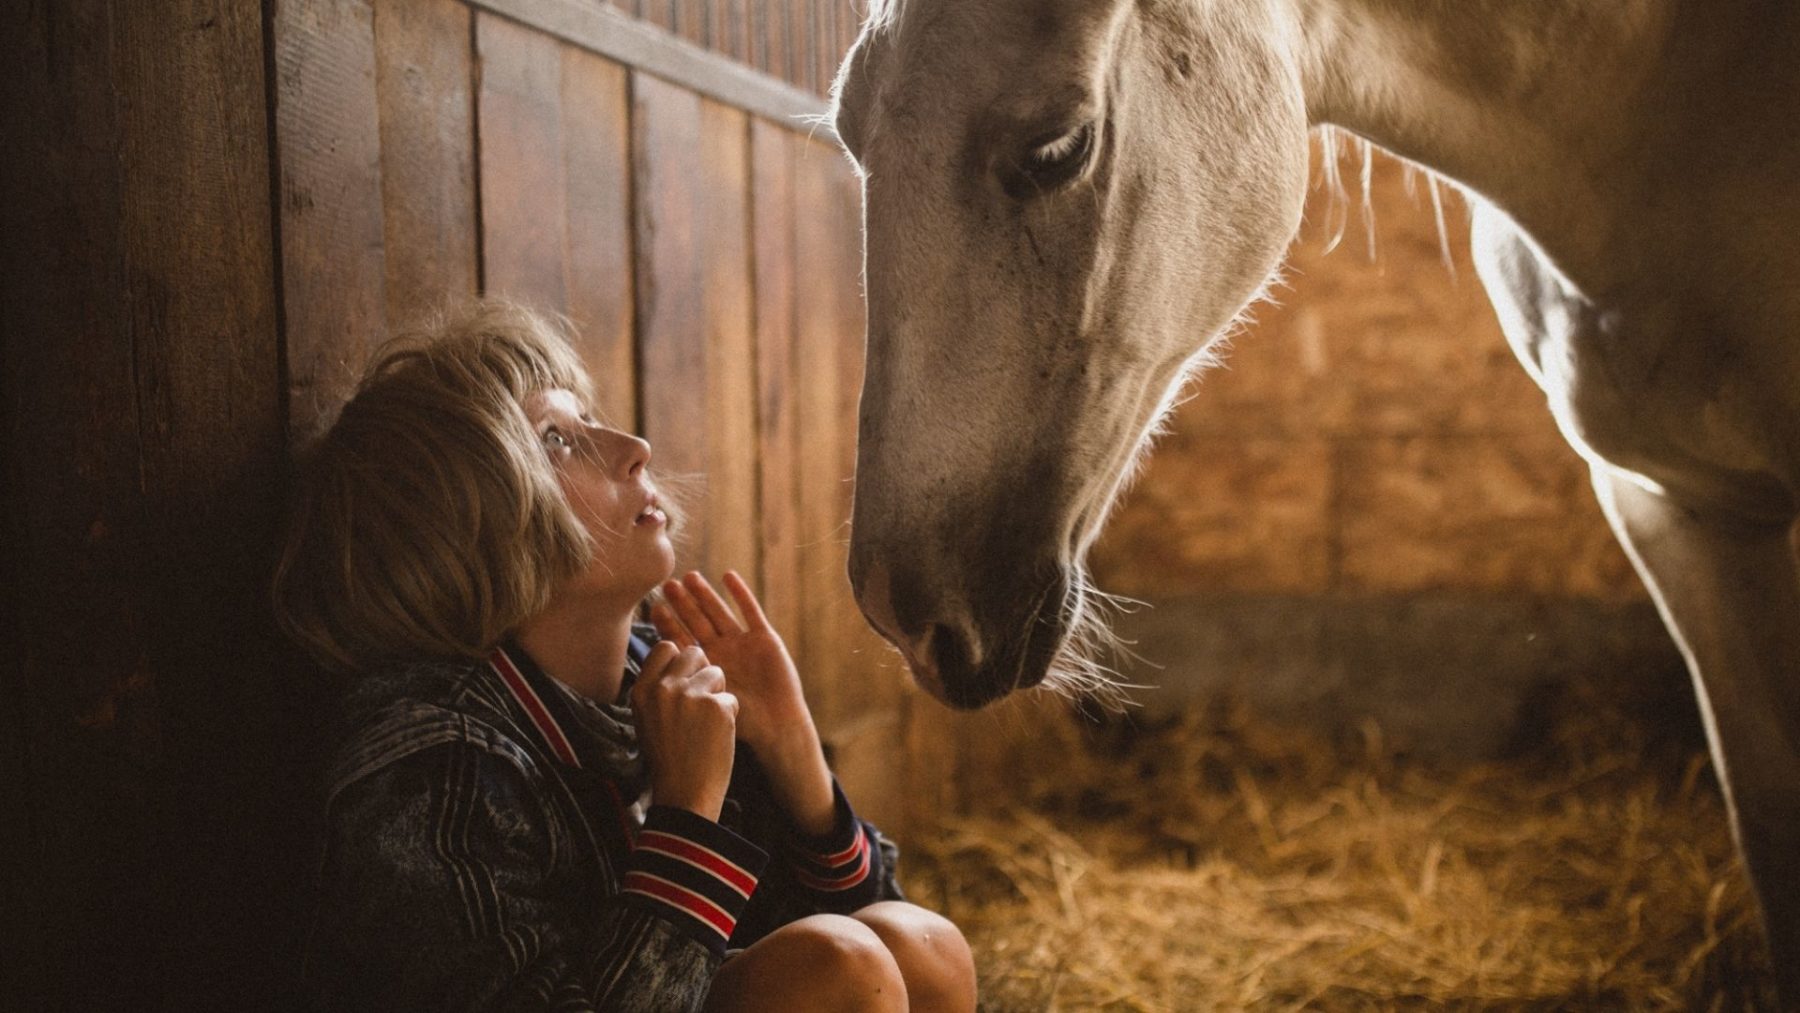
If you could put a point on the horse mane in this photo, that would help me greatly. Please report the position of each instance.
(1333, 143)
(881, 13)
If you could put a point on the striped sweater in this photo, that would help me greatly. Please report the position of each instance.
(488, 846)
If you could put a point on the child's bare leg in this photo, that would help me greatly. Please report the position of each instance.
(825, 962)
(934, 958)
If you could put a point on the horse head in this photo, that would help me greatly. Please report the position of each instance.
(1066, 202)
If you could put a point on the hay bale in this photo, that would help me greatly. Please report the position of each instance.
(1220, 862)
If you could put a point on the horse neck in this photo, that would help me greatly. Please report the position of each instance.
(1534, 106)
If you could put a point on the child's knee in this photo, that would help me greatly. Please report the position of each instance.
(849, 961)
(934, 957)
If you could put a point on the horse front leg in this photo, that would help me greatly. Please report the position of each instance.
(1730, 594)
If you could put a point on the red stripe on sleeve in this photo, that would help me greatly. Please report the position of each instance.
(844, 882)
(706, 859)
(682, 899)
(844, 856)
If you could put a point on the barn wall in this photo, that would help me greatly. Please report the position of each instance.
(1368, 511)
(217, 211)
(487, 149)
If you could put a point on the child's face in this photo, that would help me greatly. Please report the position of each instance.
(605, 478)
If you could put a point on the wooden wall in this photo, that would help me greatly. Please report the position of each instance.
(798, 41)
(218, 210)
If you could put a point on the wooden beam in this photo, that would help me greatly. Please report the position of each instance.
(612, 34)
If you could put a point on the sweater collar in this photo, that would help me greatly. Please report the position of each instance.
(550, 705)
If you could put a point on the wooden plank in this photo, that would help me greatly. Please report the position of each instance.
(781, 40)
(144, 428)
(422, 81)
(660, 13)
(596, 137)
(772, 235)
(730, 414)
(602, 29)
(330, 188)
(719, 35)
(202, 311)
(524, 230)
(825, 50)
(692, 22)
(818, 408)
(757, 28)
(671, 313)
(328, 141)
(71, 448)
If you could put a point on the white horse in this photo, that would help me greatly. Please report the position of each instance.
(1067, 201)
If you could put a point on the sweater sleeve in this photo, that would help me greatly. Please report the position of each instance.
(839, 872)
(843, 869)
(436, 893)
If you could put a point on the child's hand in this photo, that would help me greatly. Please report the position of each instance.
(773, 719)
(687, 722)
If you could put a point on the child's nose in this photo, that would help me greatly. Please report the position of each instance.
(633, 453)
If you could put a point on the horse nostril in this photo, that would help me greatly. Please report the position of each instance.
(950, 647)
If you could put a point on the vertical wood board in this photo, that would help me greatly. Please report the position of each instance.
(524, 235)
(328, 140)
(72, 503)
(729, 415)
(823, 519)
(422, 79)
(693, 21)
(200, 262)
(596, 154)
(671, 313)
(772, 232)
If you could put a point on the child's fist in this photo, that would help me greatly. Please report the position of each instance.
(687, 723)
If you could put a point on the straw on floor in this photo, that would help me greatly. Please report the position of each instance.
(1219, 862)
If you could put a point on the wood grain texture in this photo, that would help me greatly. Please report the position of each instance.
(643, 45)
(780, 42)
(524, 227)
(423, 75)
(660, 13)
(201, 257)
(817, 348)
(144, 434)
(73, 509)
(730, 413)
(596, 136)
(772, 236)
(328, 140)
(671, 308)
(731, 20)
(692, 21)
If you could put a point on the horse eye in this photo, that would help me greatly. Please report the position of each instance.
(1050, 162)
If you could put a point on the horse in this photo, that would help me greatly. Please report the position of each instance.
(1067, 202)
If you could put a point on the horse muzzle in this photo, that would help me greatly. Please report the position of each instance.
(967, 649)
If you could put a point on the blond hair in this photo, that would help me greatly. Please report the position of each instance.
(428, 520)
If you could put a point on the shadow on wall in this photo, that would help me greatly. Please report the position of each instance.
(1451, 674)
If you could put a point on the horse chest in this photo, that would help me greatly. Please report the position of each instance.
(1633, 385)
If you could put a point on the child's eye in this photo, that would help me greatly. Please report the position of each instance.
(554, 440)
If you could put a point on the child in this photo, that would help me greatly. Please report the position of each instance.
(473, 546)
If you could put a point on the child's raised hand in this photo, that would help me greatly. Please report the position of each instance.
(757, 665)
(773, 719)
